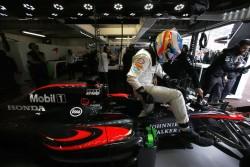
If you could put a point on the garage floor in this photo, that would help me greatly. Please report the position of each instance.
(198, 157)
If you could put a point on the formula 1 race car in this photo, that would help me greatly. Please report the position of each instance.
(78, 123)
(83, 123)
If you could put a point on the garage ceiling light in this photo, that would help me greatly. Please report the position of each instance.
(2, 7)
(179, 7)
(86, 34)
(132, 14)
(79, 14)
(29, 7)
(29, 14)
(24, 19)
(125, 37)
(88, 6)
(3, 14)
(149, 6)
(159, 14)
(106, 14)
(54, 14)
(58, 6)
(33, 34)
(118, 6)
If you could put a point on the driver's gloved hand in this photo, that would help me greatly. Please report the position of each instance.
(168, 82)
(147, 98)
(199, 99)
(166, 78)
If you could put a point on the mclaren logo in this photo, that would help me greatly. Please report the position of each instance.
(93, 92)
(76, 112)
(25, 108)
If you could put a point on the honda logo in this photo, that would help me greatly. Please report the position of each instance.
(51, 98)
(25, 108)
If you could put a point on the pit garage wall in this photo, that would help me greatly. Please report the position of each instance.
(245, 96)
(19, 49)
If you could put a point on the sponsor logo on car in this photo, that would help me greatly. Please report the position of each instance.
(166, 128)
(51, 98)
(93, 92)
(95, 107)
(76, 112)
(25, 108)
(85, 102)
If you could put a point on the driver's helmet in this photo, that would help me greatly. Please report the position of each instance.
(168, 45)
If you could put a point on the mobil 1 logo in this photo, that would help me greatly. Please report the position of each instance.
(48, 98)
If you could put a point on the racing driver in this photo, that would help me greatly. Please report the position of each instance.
(145, 64)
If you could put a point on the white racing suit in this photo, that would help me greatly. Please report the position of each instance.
(141, 74)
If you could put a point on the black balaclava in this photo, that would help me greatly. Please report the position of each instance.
(153, 53)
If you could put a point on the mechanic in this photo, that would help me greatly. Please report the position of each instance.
(9, 86)
(71, 60)
(127, 61)
(37, 65)
(221, 75)
(181, 66)
(240, 61)
(103, 64)
(140, 77)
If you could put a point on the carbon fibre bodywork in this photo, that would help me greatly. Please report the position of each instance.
(78, 123)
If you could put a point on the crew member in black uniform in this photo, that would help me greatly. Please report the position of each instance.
(127, 62)
(182, 66)
(37, 65)
(228, 64)
(231, 77)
